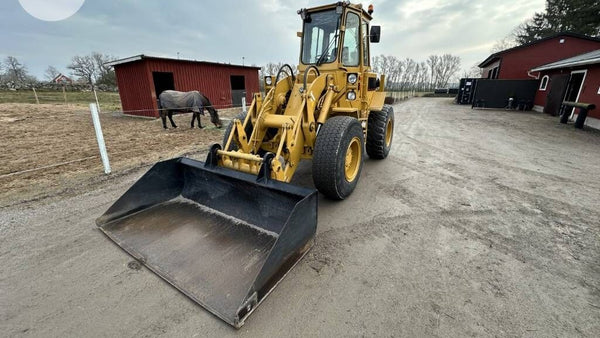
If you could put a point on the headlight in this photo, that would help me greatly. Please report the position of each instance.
(352, 78)
(351, 95)
(268, 80)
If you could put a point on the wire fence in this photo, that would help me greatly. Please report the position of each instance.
(397, 95)
(113, 154)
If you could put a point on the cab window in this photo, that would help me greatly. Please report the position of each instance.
(351, 48)
(365, 41)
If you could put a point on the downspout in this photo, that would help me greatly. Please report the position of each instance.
(537, 77)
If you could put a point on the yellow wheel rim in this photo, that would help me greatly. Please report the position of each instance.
(389, 132)
(353, 158)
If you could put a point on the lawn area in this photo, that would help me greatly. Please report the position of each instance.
(109, 101)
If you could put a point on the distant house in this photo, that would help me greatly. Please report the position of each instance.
(515, 63)
(62, 79)
(575, 79)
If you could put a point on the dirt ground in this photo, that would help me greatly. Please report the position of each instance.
(479, 223)
(42, 136)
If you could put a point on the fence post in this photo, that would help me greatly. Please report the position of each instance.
(36, 97)
(96, 96)
(64, 93)
(100, 137)
(244, 104)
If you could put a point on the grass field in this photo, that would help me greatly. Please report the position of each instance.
(109, 101)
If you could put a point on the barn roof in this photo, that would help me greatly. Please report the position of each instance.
(150, 57)
(579, 60)
(497, 55)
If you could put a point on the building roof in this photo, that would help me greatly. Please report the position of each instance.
(497, 55)
(61, 76)
(149, 57)
(578, 60)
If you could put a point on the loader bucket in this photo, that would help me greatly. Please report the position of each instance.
(217, 235)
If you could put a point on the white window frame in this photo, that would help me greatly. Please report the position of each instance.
(544, 85)
(584, 71)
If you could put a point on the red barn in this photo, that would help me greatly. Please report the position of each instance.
(515, 63)
(142, 78)
(575, 79)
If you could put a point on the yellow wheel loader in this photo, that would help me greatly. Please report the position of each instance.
(226, 231)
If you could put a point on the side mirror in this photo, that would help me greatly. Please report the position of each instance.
(375, 34)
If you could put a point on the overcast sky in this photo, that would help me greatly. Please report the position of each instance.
(258, 30)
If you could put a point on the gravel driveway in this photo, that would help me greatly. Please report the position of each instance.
(480, 223)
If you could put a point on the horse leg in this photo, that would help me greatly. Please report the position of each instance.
(200, 121)
(171, 119)
(193, 118)
(164, 120)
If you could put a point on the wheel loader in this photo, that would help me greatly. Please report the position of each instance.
(226, 231)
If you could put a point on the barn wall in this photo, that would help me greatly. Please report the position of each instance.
(135, 89)
(516, 63)
(589, 90)
(136, 86)
(540, 95)
(212, 80)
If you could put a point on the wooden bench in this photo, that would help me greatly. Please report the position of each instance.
(583, 111)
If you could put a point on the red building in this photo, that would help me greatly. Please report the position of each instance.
(515, 63)
(62, 79)
(142, 78)
(575, 79)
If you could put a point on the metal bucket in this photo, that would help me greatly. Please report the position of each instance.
(219, 236)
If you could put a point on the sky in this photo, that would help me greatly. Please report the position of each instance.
(252, 32)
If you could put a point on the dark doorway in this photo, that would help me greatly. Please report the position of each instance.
(163, 81)
(238, 89)
(558, 85)
(573, 88)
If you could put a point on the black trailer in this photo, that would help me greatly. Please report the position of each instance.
(466, 90)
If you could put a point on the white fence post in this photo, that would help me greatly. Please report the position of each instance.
(36, 97)
(100, 137)
(244, 104)
(96, 96)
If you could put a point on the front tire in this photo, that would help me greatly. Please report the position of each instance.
(338, 157)
(380, 132)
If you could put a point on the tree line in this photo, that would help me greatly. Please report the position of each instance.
(438, 71)
(90, 70)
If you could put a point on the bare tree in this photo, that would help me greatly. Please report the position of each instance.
(50, 73)
(422, 76)
(448, 66)
(85, 68)
(93, 69)
(473, 72)
(505, 43)
(432, 62)
(15, 71)
(105, 72)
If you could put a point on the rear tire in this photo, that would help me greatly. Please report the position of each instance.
(338, 157)
(234, 146)
(380, 132)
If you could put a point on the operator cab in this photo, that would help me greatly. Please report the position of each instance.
(333, 35)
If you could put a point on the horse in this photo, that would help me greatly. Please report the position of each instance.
(170, 101)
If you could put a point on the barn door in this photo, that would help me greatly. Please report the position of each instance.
(238, 89)
(163, 81)
(558, 85)
(574, 88)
